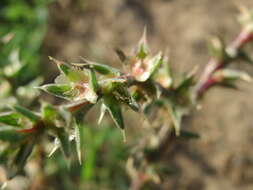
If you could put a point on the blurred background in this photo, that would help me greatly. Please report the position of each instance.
(32, 30)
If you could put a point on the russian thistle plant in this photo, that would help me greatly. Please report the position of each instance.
(144, 84)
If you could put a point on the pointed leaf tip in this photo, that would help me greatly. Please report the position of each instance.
(102, 113)
(27, 113)
(143, 49)
(78, 141)
(114, 108)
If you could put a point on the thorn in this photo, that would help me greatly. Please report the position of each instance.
(52, 151)
(86, 60)
(124, 135)
(103, 109)
(144, 36)
(55, 60)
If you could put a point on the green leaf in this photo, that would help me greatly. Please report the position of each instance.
(27, 113)
(111, 84)
(124, 95)
(231, 75)
(74, 75)
(63, 67)
(60, 90)
(65, 143)
(156, 61)
(176, 115)
(10, 134)
(93, 80)
(100, 68)
(10, 118)
(114, 109)
(78, 139)
(185, 84)
(21, 157)
(142, 48)
(49, 113)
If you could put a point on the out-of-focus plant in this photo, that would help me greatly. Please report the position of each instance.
(23, 26)
(144, 85)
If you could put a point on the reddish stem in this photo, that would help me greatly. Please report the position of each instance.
(35, 128)
(26, 131)
(77, 107)
(206, 80)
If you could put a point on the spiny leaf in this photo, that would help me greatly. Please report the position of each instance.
(186, 83)
(74, 75)
(78, 138)
(114, 109)
(100, 68)
(111, 84)
(176, 115)
(126, 97)
(93, 80)
(60, 90)
(153, 65)
(230, 75)
(156, 61)
(63, 67)
(65, 144)
(142, 48)
(56, 145)
(21, 157)
(27, 113)
(10, 118)
(102, 113)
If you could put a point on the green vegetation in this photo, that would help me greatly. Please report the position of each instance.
(85, 156)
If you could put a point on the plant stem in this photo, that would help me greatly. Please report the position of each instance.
(206, 80)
